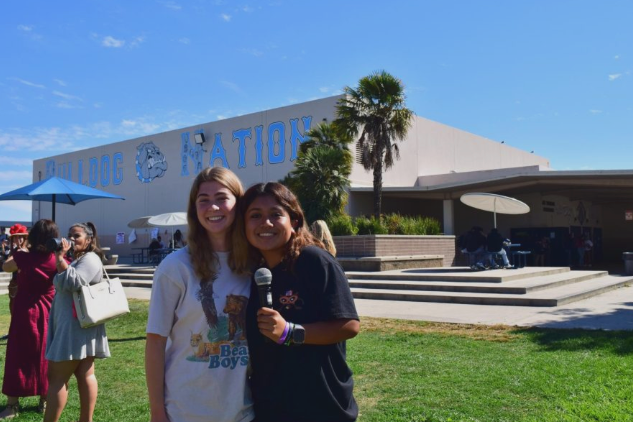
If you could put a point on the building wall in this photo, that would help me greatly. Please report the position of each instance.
(434, 148)
(618, 230)
(154, 173)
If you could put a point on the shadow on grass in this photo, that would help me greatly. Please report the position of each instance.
(121, 340)
(581, 340)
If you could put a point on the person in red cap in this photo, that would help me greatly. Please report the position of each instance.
(25, 365)
(18, 241)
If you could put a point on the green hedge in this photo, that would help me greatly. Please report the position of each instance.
(389, 224)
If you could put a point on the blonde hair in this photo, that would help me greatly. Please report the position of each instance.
(203, 257)
(320, 231)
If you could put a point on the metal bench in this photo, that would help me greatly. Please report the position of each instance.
(519, 258)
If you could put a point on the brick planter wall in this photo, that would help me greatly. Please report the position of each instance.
(381, 245)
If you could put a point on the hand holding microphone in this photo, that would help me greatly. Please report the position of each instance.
(264, 279)
(270, 323)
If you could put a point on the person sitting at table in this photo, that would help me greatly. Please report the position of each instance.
(178, 241)
(154, 247)
(494, 244)
(476, 247)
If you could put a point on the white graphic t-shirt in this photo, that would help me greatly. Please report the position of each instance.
(206, 356)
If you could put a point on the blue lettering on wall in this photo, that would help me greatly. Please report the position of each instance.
(151, 163)
(279, 129)
(64, 170)
(259, 145)
(218, 152)
(80, 171)
(241, 136)
(93, 172)
(187, 151)
(296, 136)
(50, 169)
(105, 170)
(117, 171)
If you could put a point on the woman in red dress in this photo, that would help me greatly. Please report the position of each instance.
(25, 367)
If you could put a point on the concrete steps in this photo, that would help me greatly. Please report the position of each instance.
(536, 287)
(530, 286)
(4, 282)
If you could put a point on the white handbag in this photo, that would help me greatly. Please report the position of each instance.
(100, 302)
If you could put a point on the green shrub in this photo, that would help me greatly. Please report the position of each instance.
(370, 226)
(394, 223)
(342, 225)
(427, 226)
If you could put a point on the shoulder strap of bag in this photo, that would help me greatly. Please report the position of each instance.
(110, 285)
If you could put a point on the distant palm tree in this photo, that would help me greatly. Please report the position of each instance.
(376, 110)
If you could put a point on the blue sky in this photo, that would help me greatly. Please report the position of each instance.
(553, 77)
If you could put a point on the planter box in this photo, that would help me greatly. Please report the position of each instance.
(396, 251)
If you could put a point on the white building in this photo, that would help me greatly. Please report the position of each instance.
(437, 165)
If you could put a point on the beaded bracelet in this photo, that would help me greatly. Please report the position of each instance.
(289, 338)
(284, 334)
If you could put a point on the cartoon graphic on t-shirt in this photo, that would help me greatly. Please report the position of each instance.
(235, 308)
(205, 296)
(291, 300)
(201, 349)
(224, 343)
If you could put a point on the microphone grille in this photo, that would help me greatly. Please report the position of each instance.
(263, 277)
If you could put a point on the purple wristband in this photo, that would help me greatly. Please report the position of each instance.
(284, 334)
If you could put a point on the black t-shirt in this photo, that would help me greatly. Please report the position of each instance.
(306, 383)
(495, 242)
(474, 240)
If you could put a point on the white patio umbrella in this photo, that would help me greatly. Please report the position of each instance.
(140, 223)
(169, 219)
(495, 203)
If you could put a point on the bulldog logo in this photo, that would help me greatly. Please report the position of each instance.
(150, 162)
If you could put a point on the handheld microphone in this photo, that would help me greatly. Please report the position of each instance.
(263, 279)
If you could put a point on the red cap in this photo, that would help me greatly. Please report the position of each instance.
(18, 230)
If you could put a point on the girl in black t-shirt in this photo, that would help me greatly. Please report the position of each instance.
(297, 347)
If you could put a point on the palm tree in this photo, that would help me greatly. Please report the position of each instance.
(376, 110)
(321, 175)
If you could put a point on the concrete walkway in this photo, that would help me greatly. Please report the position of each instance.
(609, 311)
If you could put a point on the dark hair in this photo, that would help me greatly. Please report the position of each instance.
(301, 237)
(91, 232)
(40, 233)
(200, 249)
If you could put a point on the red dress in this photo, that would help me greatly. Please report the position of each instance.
(25, 367)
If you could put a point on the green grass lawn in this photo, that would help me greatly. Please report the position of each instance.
(416, 371)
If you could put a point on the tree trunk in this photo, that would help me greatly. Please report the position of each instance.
(378, 188)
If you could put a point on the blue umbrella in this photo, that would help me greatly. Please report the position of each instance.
(55, 190)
